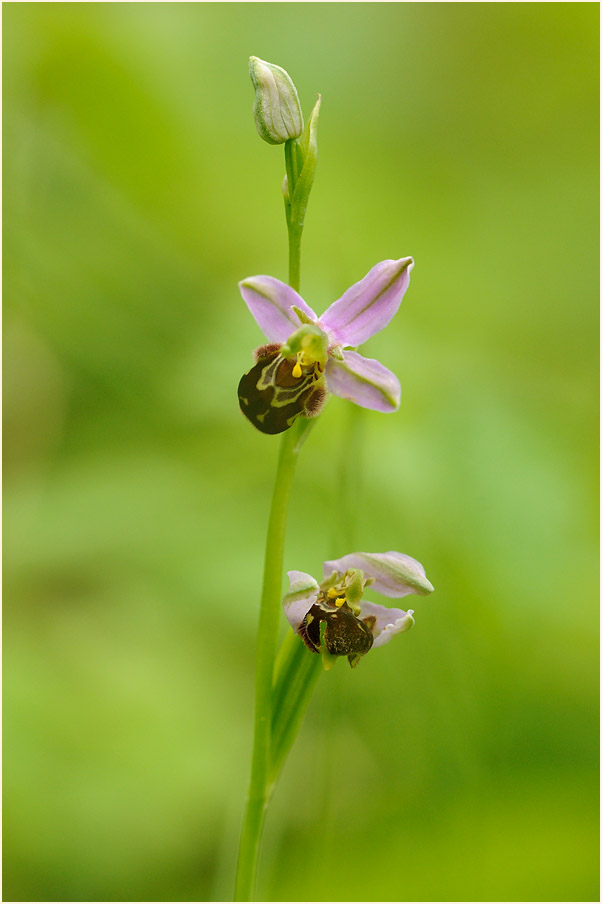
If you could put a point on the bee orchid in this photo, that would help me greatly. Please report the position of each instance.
(333, 619)
(308, 355)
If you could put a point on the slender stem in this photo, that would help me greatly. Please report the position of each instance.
(290, 161)
(260, 786)
(294, 229)
(294, 255)
(263, 775)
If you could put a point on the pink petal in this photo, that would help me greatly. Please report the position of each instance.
(389, 622)
(394, 573)
(302, 594)
(369, 305)
(364, 381)
(270, 302)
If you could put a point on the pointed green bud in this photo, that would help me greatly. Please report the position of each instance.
(277, 110)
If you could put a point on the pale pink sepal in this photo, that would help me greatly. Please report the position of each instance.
(302, 594)
(369, 305)
(394, 574)
(270, 302)
(364, 381)
(389, 622)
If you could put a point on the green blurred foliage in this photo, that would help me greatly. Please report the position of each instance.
(458, 763)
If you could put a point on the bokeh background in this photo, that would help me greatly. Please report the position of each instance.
(459, 763)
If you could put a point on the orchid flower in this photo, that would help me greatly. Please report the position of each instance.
(333, 619)
(307, 355)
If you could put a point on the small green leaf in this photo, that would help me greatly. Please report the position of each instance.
(308, 148)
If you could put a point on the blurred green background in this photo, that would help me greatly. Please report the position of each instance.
(459, 763)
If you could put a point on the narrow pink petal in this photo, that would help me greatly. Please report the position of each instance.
(389, 622)
(302, 594)
(270, 302)
(369, 305)
(394, 574)
(364, 381)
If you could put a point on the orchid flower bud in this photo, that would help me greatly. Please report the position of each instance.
(277, 110)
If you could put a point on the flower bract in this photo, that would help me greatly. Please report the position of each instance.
(333, 619)
(307, 352)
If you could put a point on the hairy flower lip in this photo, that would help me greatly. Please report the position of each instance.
(363, 310)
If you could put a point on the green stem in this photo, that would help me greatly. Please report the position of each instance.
(263, 775)
(290, 160)
(294, 229)
(261, 784)
(267, 639)
(294, 256)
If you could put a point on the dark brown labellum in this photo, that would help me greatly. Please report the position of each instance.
(345, 634)
(271, 397)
